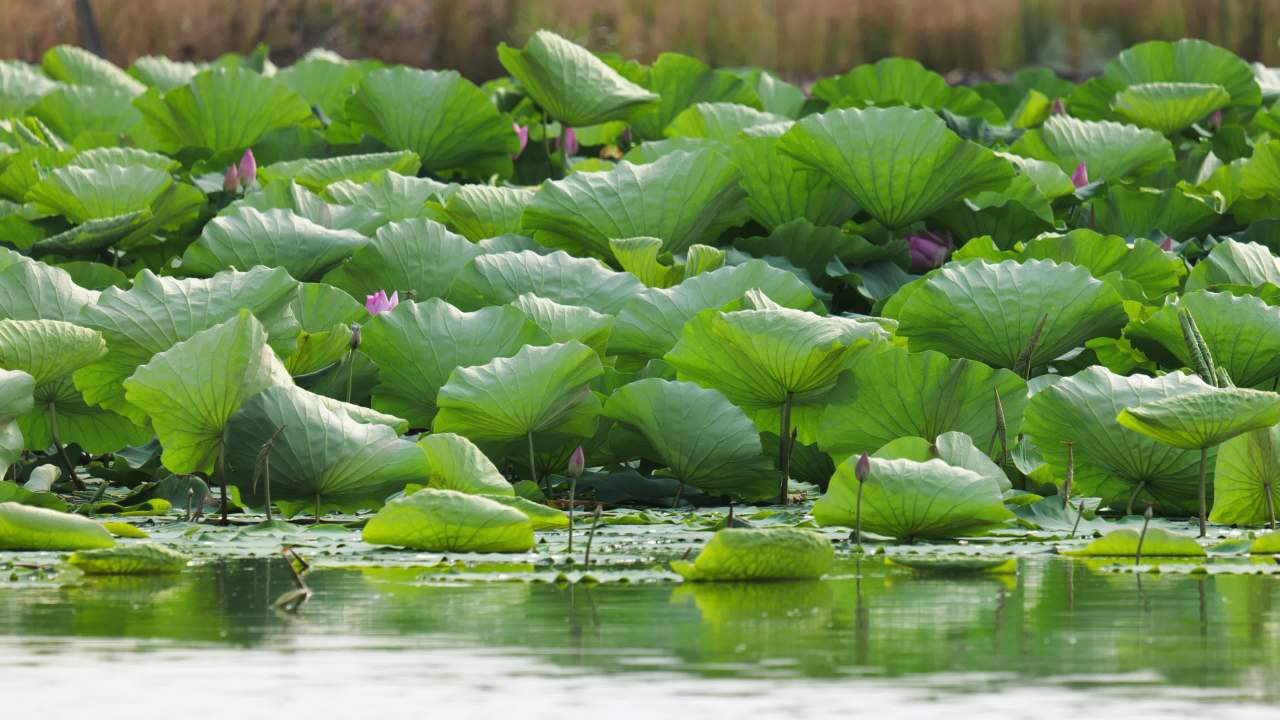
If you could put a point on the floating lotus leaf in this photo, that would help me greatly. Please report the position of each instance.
(141, 559)
(31, 528)
(760, 554)
(1157, 543)
(448, 521)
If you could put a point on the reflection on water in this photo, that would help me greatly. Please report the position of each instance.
(1056, 622)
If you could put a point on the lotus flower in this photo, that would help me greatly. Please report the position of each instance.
(379, 303)
(248, 169)
(231, 181)
(862, 469)
(522, 132)
(928, 249)
(1058, 107)
(1080, 177)
(1167, 244)
(577, 462)
(569, 142)
(1215, 120)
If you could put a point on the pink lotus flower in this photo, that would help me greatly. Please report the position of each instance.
(862, 469)
(379, 303)
(928, 249)
(577, 462)
(248, 169)
(1058, 107)
(1080, 177)
(569, 142)
(522, 132)
(231, 181)
(1167, 244)
(1215, 120)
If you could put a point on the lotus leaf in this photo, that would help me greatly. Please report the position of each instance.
(32, 528)
(448, 521)
(457, 464)
(760, 554)
(141, 559)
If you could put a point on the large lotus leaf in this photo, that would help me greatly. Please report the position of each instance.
(1143, 262)
(912, 500)
(448, 521)
(105, 157)
(1235, 263)
(644, 258)
(156, 313)
(682, 198)
(161, 72)
(814, 247)
(902, 81)
(700, 437)
(1142, 212)
(31, 528)
(1111, 461)
(1259, 175)
(302, 202)
(760, 554)
(1184, 61)
(1202, 419)
(1168, 106)
(441, 116)
(1126, 542)
(563, 323)
(47, 349)
(781, 189)
(417, 346)
(569, 83)
(90, 112)
(901, 165)
(1242, 334)
(392, 195)
(316, 174)
(417, 257)
(484, 211)
(499, 278)
(990, 312)
(222, 111)
(539, 389)
(719, 121)
(76, 66)
(953, 448)
(650, 323)
(760, 358)
(1244, 474)
(325, 316)
(457, 464)
(21, 86)
(324, 80)
(191, 390)
(16, 399)
(1010, 94)
(1109, 150)
(680, 81)
(892, 393)
(140, 559)
(81, 194)
(275, 238)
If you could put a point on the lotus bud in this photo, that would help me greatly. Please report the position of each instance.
(1058, 107)
(231, 181)
(928, 249)
(862, 469)
(569, 142)
(1167, 244)
(522, 133)
(355, 336)
(577, 462)
(379, 303)
(248, 169)
(1080, 177)
(1215, 120)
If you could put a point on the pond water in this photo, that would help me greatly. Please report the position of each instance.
(1058, 639)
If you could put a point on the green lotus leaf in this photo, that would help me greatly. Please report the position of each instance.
(304, 203)
(275, 238)
(943, 565)
(719, 121)
(160, 72)
(814, 247)
(563, 323)
(901, 165)
(538, 389)
(21, 86)
(191, 390)
(682, 198)
(1143, 262)
(325, 455)
(102, 158)
(1111, 461)
(1139, 212)
(416, 256)
(1258, 176)
(16, 399)
(76, 66)
(325, 315)
(1124, 543)
(902, 81)
(1170, 107)
(1266, 544)
(222, 111)
(780, 188)
(952, 448)
(156, 313)
(990, 312)
(316, 174)
(1109, 150)
(417, 345)
(32, 528)
(760, 554)
(1242, 334)
(650, 323)
(569, 83)
(457, 464)
(499, 278)
(1010, 94)
(891, 393)
(680, 81)
(1235, 263)
(48, 350)
(1204, 418)
(448, 521)
(644, 258)
(86, 113)
(771, 362)
(140, 559)
(700, 437)
(392, 195)
(1244, 475)
(541, 516)
(443, 117)
(484, 211)
(1184, 61)
(82, 194)
(94, 275)
(911, 500)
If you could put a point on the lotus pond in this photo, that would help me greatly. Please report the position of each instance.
(640, 385)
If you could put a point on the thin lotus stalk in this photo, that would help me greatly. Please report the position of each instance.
(1128, 508)
(351, 371)
(262, 468)
(573, 490)
(1271, 506)
(222, 477)
(1142, 536)
(679, 489)
(533, 466)
(292, 600)
(1022, 366)
(784, 448)
(1070, 476)
(317, 508)
(90, 507)
(728, 522)
(1204, 457)
(591, 536)
(1079, 516)
(857, 514)
(546, 145)
(191, 500)
(62, 449)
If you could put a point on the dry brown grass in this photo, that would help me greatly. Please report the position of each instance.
(799, 38)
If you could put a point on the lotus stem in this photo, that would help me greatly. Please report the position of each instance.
(97, 496)
(1204, 530)
(546, 146)
(595, 523)
(573, 490)
(1128, 509)
(1271, 506)
(1142, 536)
(533, 466)
(317, 508)
(1070, 476)
(62, 450)
(728, 522)
(222, 476)
(263, 467)
(351, 371)
(784, 448)
(857, 514)
(191, 498)
(1079, 515)
(679, 489)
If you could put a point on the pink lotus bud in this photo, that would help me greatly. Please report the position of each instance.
(862, 470)
(248, 169)
(577, 462)
(928, 249)
(1167, 244)
(1080, 177)
(379, 303)
(231, 181)
(569, 142)
(1058, 107)
(522, 132)
(1215, 120)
